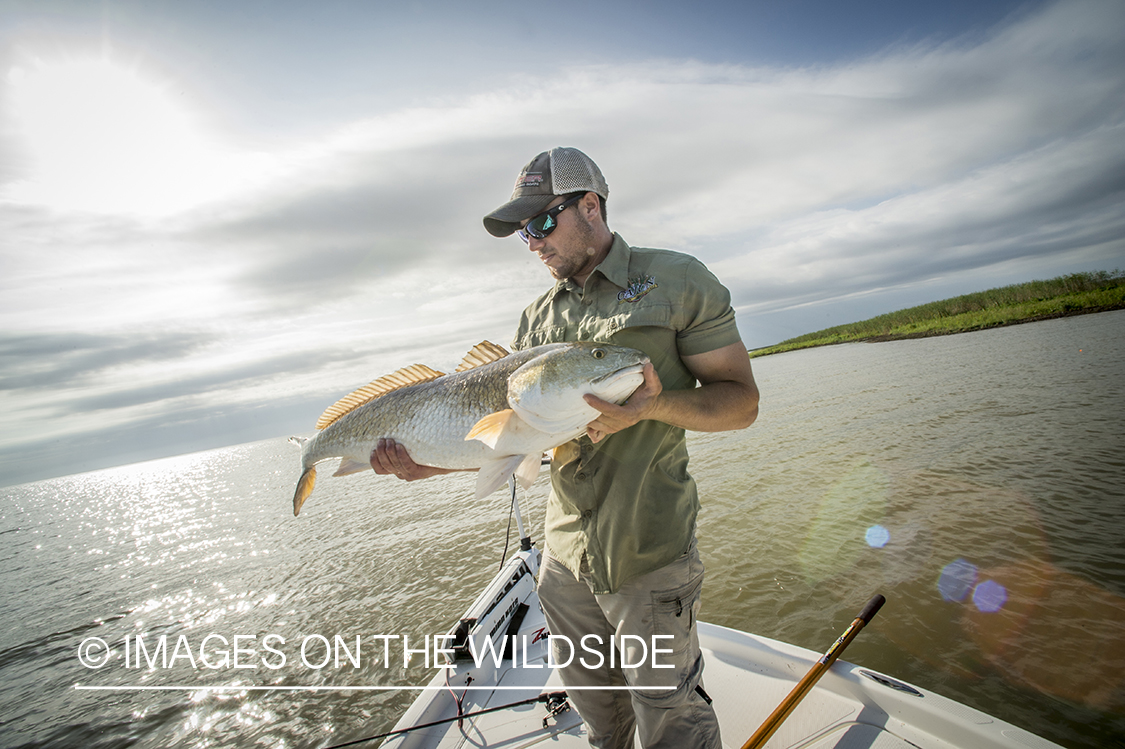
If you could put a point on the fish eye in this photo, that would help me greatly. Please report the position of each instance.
(599, 353)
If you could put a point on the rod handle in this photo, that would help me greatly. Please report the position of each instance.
(871, 609)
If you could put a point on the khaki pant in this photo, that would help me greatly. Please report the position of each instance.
(663, 602)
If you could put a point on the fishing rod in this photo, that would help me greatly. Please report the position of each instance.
(767, 729)
(556, 704)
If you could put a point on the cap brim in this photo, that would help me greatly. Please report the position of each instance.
(506, 219)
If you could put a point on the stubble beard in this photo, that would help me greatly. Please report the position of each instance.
(573, 265)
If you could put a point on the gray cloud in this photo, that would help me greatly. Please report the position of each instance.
(383, 212)
(188, 430)
(45, 361)
(287, 365)
(1057, 199)
(836, 188)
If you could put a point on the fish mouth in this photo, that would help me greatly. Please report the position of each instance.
(635, 369)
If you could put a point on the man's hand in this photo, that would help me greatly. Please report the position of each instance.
(389, 457)
(726, 399)
(638, 407)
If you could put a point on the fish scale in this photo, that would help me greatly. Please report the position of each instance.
(498, 416)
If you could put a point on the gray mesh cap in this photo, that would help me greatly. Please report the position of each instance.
(551, 173)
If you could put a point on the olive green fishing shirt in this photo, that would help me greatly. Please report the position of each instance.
(628, 503)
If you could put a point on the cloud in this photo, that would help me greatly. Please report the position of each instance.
(44, 362)
(698, 156)
(921, 167)
(1060, 198)
(232, 378)
(197, 427)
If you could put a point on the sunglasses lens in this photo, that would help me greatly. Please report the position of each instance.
(539, 227)
(545, 223)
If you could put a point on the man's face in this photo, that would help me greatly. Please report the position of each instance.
(569, 250)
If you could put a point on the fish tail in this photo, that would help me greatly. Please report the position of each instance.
(304, 489)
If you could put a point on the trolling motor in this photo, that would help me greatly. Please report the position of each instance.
(525, 539)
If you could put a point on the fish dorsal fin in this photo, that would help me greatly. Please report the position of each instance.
(404, 377)
(483, 353)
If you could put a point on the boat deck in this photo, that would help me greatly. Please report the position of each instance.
(747, 676)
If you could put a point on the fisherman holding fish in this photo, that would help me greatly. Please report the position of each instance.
(621, 555)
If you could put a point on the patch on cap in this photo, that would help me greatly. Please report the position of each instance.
(529, 179)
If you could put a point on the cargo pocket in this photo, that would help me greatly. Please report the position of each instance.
(674, 612)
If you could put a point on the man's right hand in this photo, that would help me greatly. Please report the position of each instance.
(391, 458)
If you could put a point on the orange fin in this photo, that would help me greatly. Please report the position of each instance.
(304, 489)
(565, 452)
(404, 377)
(483, 353)
(489, 429)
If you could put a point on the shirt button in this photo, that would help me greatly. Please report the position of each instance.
(588, 514)
(581, 477)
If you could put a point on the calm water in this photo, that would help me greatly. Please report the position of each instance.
(975, 480)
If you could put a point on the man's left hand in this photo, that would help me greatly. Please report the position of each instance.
(638, 407)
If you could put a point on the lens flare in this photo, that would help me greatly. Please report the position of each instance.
(989, 597)
(1075, 629)
(832, 546)
(877, 536)
(957, 579)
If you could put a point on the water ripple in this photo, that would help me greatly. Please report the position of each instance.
(975, 480)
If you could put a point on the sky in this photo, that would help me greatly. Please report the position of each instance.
(216, 218)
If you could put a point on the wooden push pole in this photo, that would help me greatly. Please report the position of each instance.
(762, 735)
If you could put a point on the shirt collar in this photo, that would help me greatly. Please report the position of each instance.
(615, 267)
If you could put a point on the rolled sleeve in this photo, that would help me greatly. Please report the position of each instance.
(707, 319)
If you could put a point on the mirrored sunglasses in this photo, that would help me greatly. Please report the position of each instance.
(543, 224)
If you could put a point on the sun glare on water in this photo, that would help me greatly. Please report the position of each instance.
(102, 137)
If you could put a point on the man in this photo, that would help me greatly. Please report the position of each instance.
(621, 556)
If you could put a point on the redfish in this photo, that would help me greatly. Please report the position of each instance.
(498, 412)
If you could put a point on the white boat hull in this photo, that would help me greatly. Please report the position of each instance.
(746, 675)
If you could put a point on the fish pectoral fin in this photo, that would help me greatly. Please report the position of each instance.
(565, 452)
(349, 466)
(491, 428)
(528, 469)
(495, 473)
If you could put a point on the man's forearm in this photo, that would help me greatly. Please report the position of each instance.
(715, 407)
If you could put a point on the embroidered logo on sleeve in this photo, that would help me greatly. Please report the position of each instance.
(637, 288)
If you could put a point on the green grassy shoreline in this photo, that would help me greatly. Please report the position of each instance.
(1075, 294)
